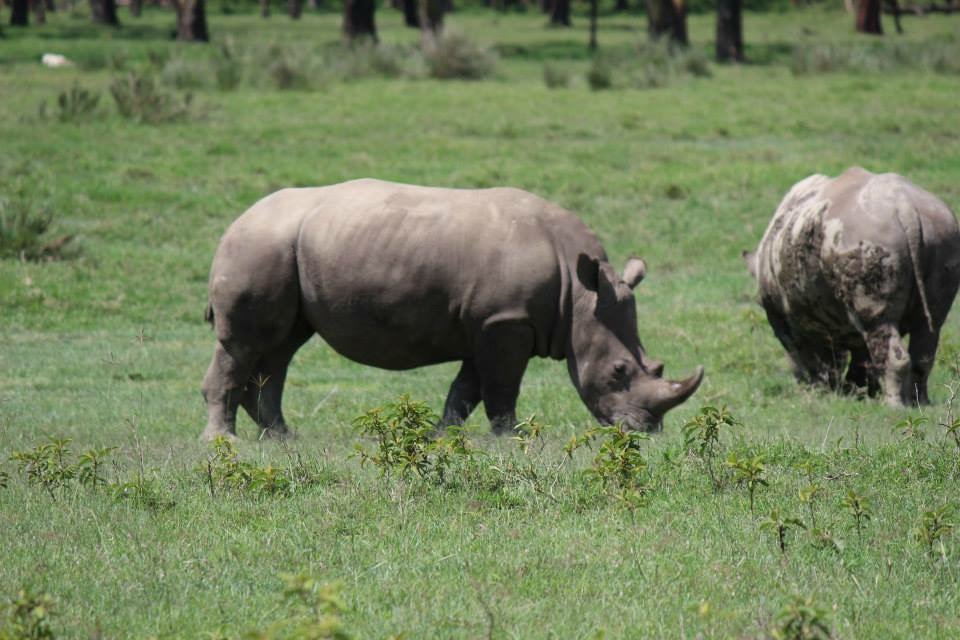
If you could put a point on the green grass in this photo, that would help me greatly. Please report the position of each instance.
(108, 348)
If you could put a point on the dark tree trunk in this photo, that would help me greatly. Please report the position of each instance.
(729, 31)
(295, 8)
(191, 21)
(264, 8)
(136, 8)
(20, 13)
(667, 18)
(40, 11)
(593, 25)
(411, 15)
(621, 6)
(546, 6)
(868, 17)
(104, 12)
(560, 13)
(894, 7)
(358, 20)
(431, 22)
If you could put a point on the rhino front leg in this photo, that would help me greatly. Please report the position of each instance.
(464, 396)
(891, 363)
(502, 355)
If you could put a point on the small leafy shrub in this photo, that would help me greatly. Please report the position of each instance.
(619, 465)
(24, 224)
(142, 493)
(227, 66)
(287, 73)
(227, 472)
(911, 428)
(859, 508)
(139, 98)
(403, 432)
(702, 440)
(801, 619)
(748, 471)
(600, 74)
(28, 617)
(76, 104)
(313, 612)
(182, 73)
(366, 60)
(779, 525)
(934, 525)
(457, 57)
(555, 76)
(50, 465)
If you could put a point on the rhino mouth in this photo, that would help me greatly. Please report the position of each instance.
(659, 395)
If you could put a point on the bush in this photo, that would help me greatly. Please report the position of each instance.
(457, 57)
(600, 74)
(555, 76)
(73, 105)
(23, 231)
(935, 56)
(181, 73)
(139, 98)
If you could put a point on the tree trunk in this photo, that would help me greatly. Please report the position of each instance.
(546, 6)
(868, 17)
(40, 11)
(136, 8)
(729, 31)
(621, 6)
(667, 18)
(104, 12)
(191, 21)
(593, 25)
(411, 15)
(295, 8)
(264, 8)
(431, 23)
(20, 13)
(560, 13)
(358, 19)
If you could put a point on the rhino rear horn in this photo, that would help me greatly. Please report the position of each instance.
(667, 394)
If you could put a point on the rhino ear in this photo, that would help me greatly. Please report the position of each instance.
(599, 276)
(750, 257)
(634, 271)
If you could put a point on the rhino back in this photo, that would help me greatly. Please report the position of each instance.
(399, 276)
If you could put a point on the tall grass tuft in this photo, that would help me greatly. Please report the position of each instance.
(457, 57)
(24, 227)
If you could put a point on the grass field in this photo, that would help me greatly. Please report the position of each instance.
(108, 348)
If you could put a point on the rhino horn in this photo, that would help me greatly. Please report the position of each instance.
(666, 394)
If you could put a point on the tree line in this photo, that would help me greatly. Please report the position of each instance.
(666, 19)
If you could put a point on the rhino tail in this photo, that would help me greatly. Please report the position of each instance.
(909, 219)
(208, 313)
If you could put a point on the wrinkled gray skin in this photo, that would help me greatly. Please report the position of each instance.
(398, 276)
(847, 268)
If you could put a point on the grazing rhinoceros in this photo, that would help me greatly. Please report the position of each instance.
(847, 268)
(398, 276)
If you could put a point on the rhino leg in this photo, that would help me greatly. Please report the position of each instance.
(223, 386)
(891, 363)
(923, 352)
(859, 373)
(264, 388)
(464, 396)
(503, 352)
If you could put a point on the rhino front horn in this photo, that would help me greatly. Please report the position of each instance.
(669, 393)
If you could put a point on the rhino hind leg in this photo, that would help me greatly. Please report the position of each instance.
(859, 376)
(464, 396)
(890, 363)
(264, 390)
(923, 352)
(503, 352)
(223, 387)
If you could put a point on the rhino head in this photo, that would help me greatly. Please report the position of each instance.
(607, 362)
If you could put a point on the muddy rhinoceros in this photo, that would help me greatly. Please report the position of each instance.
(847, 268)
(398, 276)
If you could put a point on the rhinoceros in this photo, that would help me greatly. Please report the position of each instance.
(399, 276)
(847, 268)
